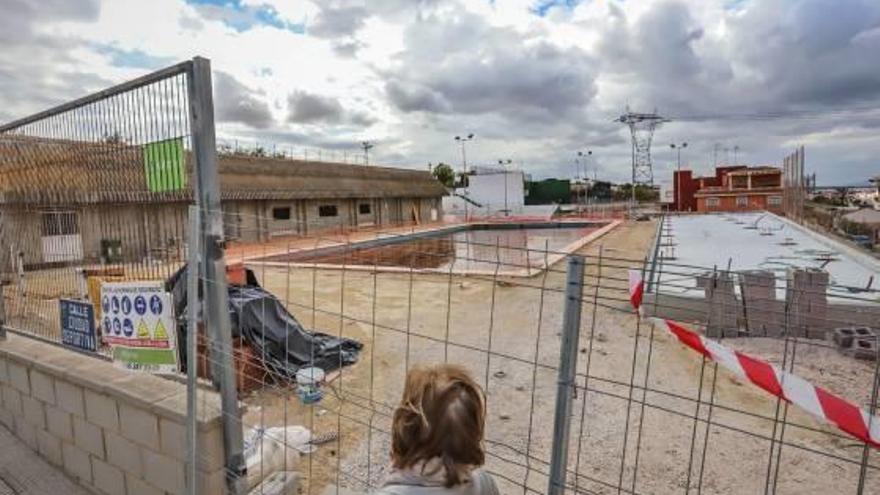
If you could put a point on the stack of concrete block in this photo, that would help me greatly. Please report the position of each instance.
(113, 431)
(763, 313)
(861, 342)
(722, 309)
(807, 302)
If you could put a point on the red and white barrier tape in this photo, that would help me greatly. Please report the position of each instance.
(815, 400)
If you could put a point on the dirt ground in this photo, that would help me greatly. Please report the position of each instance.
(411, 319)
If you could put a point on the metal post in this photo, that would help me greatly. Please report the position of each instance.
(214, 267)
(192, 329)
(568, 354)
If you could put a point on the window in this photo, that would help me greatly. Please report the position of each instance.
(327, 211)
(364, 209)
(712, 202)
(774, 200)
(281, 213)
(59, 223)
(742, 201)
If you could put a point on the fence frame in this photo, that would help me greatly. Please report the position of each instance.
(206, 196)
(568, 358)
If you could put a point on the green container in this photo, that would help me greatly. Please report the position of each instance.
(111, 250)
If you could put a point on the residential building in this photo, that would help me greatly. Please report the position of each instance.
(685, 186)
(744, 189)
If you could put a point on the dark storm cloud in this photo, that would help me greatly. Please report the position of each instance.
(308, 108)
(35, 66)
(813, 53)
(460, 64)
(235, 102)
(415, 98)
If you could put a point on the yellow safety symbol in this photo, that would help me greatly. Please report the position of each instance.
(160, 333)
(143, 332)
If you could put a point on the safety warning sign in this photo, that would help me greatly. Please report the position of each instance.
(139, 325)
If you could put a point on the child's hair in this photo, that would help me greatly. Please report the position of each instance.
(441, 415)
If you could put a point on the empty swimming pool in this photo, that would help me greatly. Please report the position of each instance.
(507, 248)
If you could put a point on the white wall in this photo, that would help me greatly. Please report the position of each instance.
(489, 190)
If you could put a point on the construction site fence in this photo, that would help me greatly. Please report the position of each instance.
(584, 394)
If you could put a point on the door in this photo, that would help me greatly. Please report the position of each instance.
(60, 236)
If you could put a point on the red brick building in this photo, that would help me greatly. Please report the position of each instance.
(685, 186)
(737, 188)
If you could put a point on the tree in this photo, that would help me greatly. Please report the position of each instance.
(600, 190)
(444, 174)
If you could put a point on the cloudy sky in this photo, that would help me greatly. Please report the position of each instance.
(534, 80)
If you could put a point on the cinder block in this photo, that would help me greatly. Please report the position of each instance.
(59, 424)
(76, 462)
(864, 333)
(210, 444)
(42, 387)
(18, 378)
(213, 482)
(26, 432)
(12, 400)
(123, 453)
(164, 472)
(49, 447)
(4, 372)
(108, 479)
(211, 453)
(101, 410)
(865, 348)
(70, 398)
(139, 425)
(844, 336)
(172, 436)
(33, 412)
(137, 486)
(88, 437)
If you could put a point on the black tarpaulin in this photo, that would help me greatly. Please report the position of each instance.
(275, 335)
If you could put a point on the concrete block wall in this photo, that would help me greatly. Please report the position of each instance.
(114, 431)
(807, 301)
(722, 318)
(763, 313)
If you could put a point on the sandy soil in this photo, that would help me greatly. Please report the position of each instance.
(405, 320)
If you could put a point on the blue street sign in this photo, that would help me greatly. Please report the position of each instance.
(105, 303)
(140, 305)
(127, 327)
(126, 305)
(117, 326)
(78, 325)
(114, 304)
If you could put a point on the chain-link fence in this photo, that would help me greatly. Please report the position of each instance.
(648, 415)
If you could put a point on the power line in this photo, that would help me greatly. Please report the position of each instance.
(775, 115)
